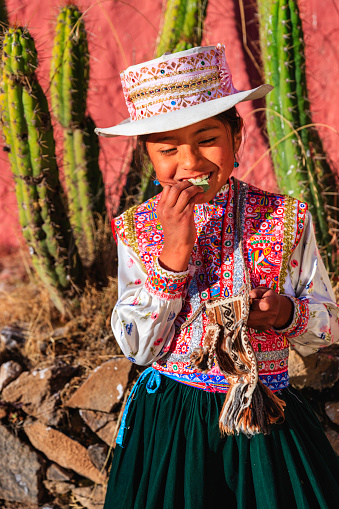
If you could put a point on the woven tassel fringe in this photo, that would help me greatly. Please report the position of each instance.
(257, 416)
(200, 358)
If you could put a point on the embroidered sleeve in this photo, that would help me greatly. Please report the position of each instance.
(142, 322)
(316, 315)
(165, 284)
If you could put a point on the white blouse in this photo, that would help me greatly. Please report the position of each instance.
(142, 315)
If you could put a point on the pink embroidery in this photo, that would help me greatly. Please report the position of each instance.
(162, 86)
(263, 242)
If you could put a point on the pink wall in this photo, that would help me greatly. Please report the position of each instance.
(122, 33)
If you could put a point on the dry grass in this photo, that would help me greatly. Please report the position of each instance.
(84, 335)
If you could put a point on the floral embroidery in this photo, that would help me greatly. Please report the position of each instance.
(300, 319)
(171, 316)
(129, 328)
(268, 239)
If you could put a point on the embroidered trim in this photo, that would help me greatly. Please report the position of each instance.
(300, 318)
(177, 99)
(193, 84)
(164, 284)
(130, 232)
(288, 240)
(210, 383)
(170, 75)
(272, 355)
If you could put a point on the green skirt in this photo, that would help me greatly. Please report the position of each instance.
(173, 456)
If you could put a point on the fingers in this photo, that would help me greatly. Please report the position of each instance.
(179, 196)
(257, 293)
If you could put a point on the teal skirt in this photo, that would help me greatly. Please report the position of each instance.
(173, 456)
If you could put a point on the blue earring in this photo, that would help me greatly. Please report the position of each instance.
(156, 182)
(235, 164)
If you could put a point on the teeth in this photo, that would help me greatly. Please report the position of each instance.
(198, 179)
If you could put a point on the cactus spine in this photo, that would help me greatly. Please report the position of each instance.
(182, 25)
(69, 85)
(29, 141)
(299, 160)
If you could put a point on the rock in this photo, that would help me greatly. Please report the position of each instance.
(333, 437)
(58, 487)
(9, 371)
(108, 432)
(3, 412)
(91, 497)
(319, 370)
(104, 388)
(13, 337)
(57, 473)
(38, 391)
(98, 454)
(101, 423)
(62, 450)
(21, 470)
(332, 410)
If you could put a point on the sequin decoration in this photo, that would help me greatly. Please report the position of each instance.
(270, 233)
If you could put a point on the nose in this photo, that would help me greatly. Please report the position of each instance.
(190, 158)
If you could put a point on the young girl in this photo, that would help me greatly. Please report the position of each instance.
(216, 279)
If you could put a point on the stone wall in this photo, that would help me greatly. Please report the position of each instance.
(58, 424)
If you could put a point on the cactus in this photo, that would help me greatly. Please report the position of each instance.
(182, 25)
(69, 85)
(299, 160)
(29, 141)
(3, 17)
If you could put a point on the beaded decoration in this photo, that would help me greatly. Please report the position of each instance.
(161, 86)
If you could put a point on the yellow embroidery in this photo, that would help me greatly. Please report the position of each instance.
(131, 235)
(288, 240)
(187, 86)
(166, 75)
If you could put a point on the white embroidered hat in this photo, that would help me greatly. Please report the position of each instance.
(177, 90)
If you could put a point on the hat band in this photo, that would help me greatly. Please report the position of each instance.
(174, 96)
(172, 82)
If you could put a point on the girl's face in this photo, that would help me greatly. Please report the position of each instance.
(203, 149)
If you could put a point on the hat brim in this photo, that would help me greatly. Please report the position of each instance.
(183, 117)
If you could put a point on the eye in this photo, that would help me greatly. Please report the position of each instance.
(209, 140)
(168, 151)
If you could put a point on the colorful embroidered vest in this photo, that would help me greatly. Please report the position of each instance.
(271, 227)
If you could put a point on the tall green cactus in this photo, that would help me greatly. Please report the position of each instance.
(69, 84)
(182, 25)
(29, 141)
(298, 156)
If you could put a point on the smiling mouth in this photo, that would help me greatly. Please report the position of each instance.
(202, 181)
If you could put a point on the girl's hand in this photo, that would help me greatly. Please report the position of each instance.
(269, 309)
(176, 215)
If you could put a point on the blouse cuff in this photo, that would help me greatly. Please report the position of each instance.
(164, 283)
(300, 319)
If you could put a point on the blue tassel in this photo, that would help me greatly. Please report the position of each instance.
(156, 182)
(153, 384)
